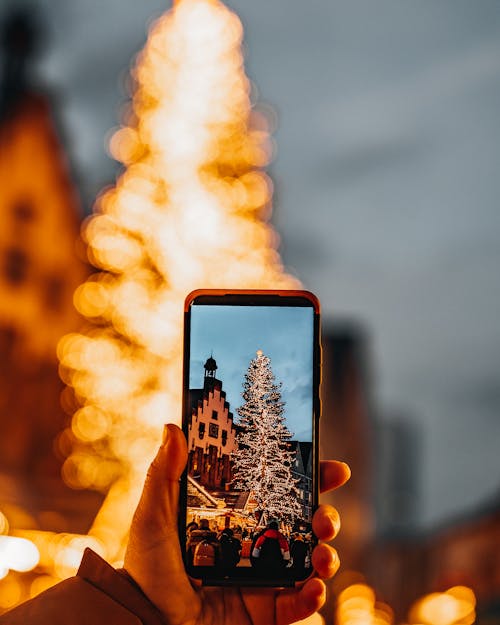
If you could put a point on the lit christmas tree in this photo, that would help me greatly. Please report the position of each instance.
(190, 209)
(264, 461)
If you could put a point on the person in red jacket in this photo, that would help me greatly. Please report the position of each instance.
(153, 587)
(271, 552)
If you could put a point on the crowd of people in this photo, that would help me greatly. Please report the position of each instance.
(266, 548)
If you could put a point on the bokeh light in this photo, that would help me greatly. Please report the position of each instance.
(357, 605)
(4, 524)
(456, 606)
(18, 554)
(189, 211)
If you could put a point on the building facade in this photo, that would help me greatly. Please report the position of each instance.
(211, 433)
(302, 474)
(39, 265)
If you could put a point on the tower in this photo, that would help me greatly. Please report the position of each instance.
(210, 367)
(211, 433)
(39, 266)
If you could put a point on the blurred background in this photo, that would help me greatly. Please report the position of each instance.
(386, 186)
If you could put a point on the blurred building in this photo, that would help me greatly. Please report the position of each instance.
(462, 552)
(398, 445)
(346, 433)
(302, 473)
(39, 271)
(466, 551)
(379, 506)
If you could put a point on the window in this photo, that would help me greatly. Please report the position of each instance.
(201, 431)
(7, 342)
(214, 414)
(224, 437)
(23, 211)
(213, 430)
(16, 265)
(54, 291)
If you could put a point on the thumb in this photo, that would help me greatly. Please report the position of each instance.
(159, 501)
(171, 457)
(175, 444)
(153, 556)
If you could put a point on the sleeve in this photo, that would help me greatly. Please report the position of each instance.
(98, 594)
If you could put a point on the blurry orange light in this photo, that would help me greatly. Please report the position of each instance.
(357, 592)
(18, 554)
(4, 524)
(41, 583)
(190, 210)
(356, 605)
(10, 592)
(314, 619)
(453, 607)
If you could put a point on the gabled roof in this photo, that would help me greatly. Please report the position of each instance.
(305, 450)
(198, 497)
(198, 395)
(235, 499)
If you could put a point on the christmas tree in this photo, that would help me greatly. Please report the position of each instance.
(190, 208)
(263, 463)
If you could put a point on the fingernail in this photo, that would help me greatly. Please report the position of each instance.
(348, 469)
(335, 521)
(165, 435)
(335, 558)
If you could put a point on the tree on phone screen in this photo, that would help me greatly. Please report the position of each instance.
(263, 462)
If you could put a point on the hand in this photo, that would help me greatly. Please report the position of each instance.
(154, 559)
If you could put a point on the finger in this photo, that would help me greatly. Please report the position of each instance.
(333, 474)
(325, 561)
(297, 605)
(326, 522)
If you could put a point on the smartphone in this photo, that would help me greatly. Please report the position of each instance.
(250, 416)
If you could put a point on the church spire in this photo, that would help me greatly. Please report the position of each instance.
(210, 367)
(20, 36)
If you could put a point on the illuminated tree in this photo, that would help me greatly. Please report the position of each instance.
(190, 210)
(263, 464)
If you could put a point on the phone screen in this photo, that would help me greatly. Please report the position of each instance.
(250, 404)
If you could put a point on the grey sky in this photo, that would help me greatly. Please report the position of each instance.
(387, 188)
(233, 334)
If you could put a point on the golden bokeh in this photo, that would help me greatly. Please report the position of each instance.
(357, 605)
(190, 210)
(456, 606)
